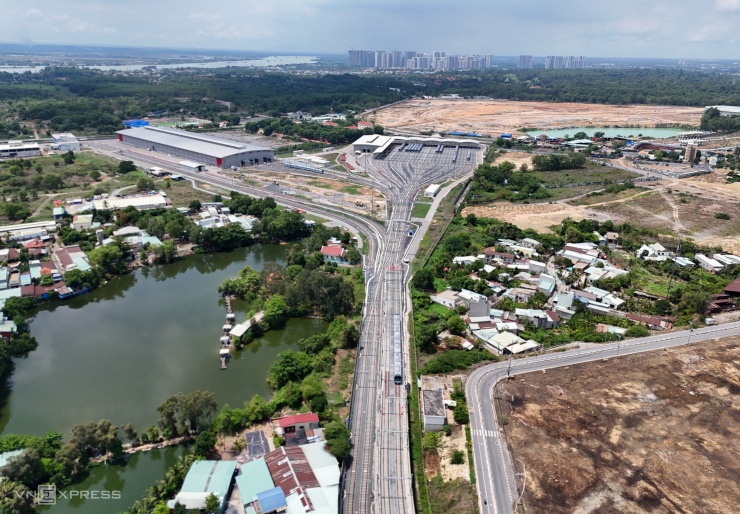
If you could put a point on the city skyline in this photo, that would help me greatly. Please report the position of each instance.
(691, 29)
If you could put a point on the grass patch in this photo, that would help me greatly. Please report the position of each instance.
(420, 210)
(454, 360)
(442, 218)
(653, 284)
(469, 447)
(320, 183)
(424, 199)
(440, 310)
(351, 190)
(421, 489)
(181, 193)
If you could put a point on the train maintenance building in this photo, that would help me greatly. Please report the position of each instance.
(209, 150)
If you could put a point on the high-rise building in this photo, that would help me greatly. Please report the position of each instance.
(525, 62)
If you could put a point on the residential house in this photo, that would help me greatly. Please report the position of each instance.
(707, 263)
(520, 294)
(600, 239)
(493, 256)
(7, 327)
(529, 243)
(69, 258)
(290, 424)
(334, 253)
(501, 341)
(546, 285)
(612, 238)
(536, 267)
(83, 222)
(652, 322)
(464, 261)
(653, 252)
(538, 318)
(448, 298)
(721, 303)
(683, 262)
(308, 476)
(733, 288)
(204, 478)
(726, 259)
(478, 307)
(525, 347)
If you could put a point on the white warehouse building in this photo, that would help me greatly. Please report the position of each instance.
(213, 151)
(66, 142)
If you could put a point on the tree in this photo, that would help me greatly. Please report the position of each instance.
(456, 325)
(212, 504)
(69, 157)
(423, 279)
(109, 258)
(637, 331)
(337, 439)
(166, 252)
(95, 175)
(289, 366)
(205, 443)
(461, 414)
(144, 184)
(126, 167)
(275, 312)
(353, 255)
(580, 135)
(194, 206)
(458, 457)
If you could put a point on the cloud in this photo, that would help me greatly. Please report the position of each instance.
(727, 5)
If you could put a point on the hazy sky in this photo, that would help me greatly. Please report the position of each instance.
(627, 28)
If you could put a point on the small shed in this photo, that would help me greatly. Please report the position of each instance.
(435, 416)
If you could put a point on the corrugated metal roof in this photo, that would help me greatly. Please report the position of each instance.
(253, 479)
(198, 143)
(272, 500)
(211, 476)
(290, 469)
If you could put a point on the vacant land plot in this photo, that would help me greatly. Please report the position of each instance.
(492, 117)
(656, 432)
(689, 215)
(537, 216)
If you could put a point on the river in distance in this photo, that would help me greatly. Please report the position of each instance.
(118, 352)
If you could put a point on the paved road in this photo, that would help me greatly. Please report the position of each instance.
(498, 485)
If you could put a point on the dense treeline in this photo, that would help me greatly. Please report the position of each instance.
(644, 86)
(502, 182)
(310, 130)
(712, 120)
(557, 162)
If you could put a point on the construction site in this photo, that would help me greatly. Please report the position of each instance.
(654, 432)
(493, 117)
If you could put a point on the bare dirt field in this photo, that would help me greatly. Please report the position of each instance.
(657, 432)
(537, 216)
(496, 116)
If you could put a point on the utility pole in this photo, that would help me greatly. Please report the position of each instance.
(508, 371)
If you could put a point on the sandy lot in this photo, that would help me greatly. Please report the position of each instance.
(656, 432)
(494, 117)
(537, 216)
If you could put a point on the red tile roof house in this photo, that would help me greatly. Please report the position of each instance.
(289, 424)
(333, 253)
